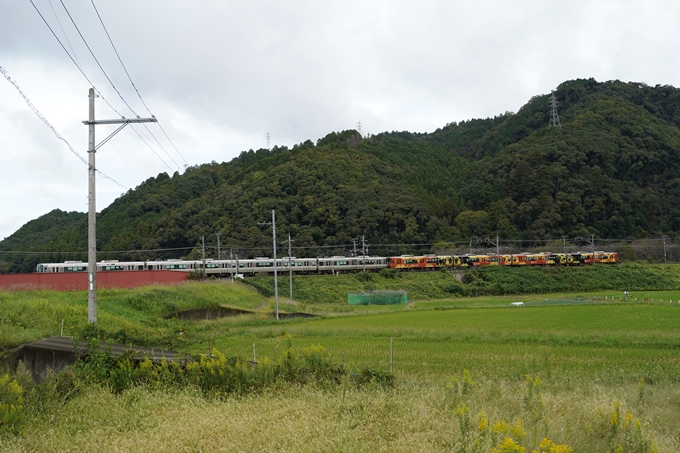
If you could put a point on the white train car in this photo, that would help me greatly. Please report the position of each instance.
(248, 267)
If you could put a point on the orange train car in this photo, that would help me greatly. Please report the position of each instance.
(415, 262)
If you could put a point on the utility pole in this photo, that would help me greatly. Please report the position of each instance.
(592, 247)
(363, 250)
(276, 281)
(231, 264)
(91, 220)
(92, 202)
(203, 251)
(218, 246)
(497, 244)
(554, 117)
(664, 248)
(564, 243)
(290, 267)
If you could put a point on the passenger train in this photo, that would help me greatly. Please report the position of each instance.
(340, 264)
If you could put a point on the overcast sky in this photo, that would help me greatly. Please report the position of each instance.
(219, 75)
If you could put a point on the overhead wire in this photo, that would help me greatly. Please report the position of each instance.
(152, 150)
(159, 144)
(74, 61)
(95, 58)
(63, 32)
(135, 86)
(49, 125)
(107, 77)
(241, 247)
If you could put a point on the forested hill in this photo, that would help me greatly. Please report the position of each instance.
(612, 170)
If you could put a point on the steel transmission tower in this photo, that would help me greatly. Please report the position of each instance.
(554, 117)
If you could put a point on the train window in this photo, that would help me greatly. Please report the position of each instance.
(74, 269)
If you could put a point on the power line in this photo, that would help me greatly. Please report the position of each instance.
(48, 124)
(152, 150)
(74, 61)
(111, 82)
(118, 55)
(12, 252)
(62, 30)
(95, 58)
(162, 147)
(135, 86)
(240, 247)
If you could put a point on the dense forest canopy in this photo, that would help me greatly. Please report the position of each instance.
(612, 170)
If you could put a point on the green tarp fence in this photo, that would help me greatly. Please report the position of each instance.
(384, 297)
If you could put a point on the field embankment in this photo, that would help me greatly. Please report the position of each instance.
(492, 280)
(128, 316)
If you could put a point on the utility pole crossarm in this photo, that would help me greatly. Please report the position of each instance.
(123, 121)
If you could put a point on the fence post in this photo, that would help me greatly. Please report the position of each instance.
(391, 352)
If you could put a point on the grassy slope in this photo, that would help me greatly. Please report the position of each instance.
(127, 315)
(323, 289)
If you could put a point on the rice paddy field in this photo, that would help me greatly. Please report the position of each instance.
(568, 371)
(565, 342)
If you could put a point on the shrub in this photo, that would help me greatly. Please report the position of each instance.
(195, 275)
(365, 277)
(217, 375)
(390, 273)
(11, 402)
